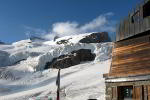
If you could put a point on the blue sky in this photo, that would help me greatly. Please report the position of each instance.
(22, 18)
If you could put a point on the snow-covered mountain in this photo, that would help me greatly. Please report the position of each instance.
(26, 68)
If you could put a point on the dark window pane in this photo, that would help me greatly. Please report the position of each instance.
(146, 10)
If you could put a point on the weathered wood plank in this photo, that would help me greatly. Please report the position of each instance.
(130, 56)
(148, 92)
(114, 93)
(137, 93)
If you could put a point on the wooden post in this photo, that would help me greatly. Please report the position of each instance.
(137, 93)
(58, 85)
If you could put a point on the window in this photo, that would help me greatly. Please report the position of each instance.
(132, 19)
(125, 93)
(146, 9)
(128, 92)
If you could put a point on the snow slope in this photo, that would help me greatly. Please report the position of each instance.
(79, 82)
(22, 74)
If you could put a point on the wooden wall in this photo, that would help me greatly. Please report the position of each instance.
(131, 57)
(141, 90)
(134, 23)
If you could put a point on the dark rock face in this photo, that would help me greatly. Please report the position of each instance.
(63, 41)
(84, 55)
(74, 58)
(92, 38)
(96, 38)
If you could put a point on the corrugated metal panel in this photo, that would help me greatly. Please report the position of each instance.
(134, 24)
(141, 18)
(126, 28)
(137, 23)
(121, 30)
(118, 32)
(131, 26)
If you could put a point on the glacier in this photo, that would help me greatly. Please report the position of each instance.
(23, 77)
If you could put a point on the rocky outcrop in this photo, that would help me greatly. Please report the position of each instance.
(63, 41)
(74, 58)
(96, 38)
(89, 38)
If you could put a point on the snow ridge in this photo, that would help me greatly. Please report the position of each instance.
(22, 68)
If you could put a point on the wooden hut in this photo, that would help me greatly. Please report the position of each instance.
(129, 75)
